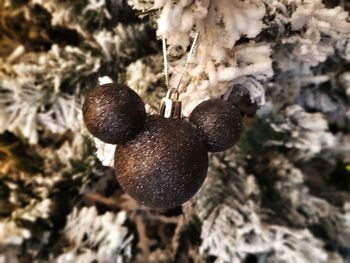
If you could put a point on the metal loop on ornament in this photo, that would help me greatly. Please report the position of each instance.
(172, 94)
(170, 106)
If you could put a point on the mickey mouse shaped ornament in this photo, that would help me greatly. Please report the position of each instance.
(160, 160)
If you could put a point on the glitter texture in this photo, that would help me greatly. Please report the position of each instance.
(165, 165)
(113, 113)
(219, 122)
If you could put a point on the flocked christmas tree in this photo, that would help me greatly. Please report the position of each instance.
(280, 195)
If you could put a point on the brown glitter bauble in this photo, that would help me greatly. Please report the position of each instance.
(113, 113)
(240, 97)
(219, 123)
(165, 165)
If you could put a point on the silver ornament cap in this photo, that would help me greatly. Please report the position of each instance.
(170, 106)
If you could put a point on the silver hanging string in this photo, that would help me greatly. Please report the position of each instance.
(193, 47)
(166, 65)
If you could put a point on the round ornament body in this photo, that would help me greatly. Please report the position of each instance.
(219, 123)
(113, 113)
(165, 165)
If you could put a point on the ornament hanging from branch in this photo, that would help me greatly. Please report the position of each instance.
(160, 160)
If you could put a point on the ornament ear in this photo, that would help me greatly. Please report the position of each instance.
(114, 113)
(219, 123)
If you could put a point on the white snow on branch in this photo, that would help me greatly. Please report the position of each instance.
(309, 131)
(324, 28)
(94, 237)
(216, 63)
(32, 100)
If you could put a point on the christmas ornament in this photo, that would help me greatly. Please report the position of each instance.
(219, 123)
(165, 165)
(161, 160)
(113, 113)
(240, 97)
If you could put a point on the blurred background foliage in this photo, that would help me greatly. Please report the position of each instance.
(281, 195)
